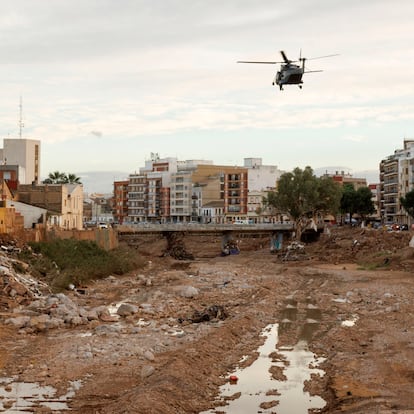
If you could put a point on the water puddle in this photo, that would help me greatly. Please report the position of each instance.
(27, 397)
(275, 381)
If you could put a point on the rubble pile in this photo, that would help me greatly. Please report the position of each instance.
(28, 304)
(345, 244)
(15, 288)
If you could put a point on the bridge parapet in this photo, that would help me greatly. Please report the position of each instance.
(205, 228)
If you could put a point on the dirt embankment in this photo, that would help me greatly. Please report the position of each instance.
(192, 322)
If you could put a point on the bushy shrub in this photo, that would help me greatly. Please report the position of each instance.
(62, 262)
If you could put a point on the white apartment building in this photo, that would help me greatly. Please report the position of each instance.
(24, 153)
(396, 180)
(185, 195)
(261, 177)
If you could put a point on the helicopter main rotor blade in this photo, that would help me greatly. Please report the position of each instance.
(249, 61)
(312, 71)
(320, 57)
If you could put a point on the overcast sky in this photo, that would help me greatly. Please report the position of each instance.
(105, 83)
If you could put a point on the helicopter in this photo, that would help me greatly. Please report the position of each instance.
(290, 73)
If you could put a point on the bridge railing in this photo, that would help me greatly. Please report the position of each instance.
(191, 227)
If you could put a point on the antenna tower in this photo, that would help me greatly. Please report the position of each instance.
(21, 124)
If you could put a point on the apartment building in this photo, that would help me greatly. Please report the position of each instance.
(261, 177)
(137, 197)
(120, 211)
(168, 190)
(181, 201)
(396, 180)
(25, 154)
(226, 183)
(149, 190)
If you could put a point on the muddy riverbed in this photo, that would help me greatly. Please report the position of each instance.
(339, 319)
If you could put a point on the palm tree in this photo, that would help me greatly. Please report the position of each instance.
(58, 177)
(73, 179)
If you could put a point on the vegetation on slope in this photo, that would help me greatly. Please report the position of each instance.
(64, 262)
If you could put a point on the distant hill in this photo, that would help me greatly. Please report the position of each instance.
(101, 181)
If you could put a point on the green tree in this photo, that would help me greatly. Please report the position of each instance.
(356, 201)
(73, 179)
(365, 205)
(303, 196)
(348, 201)
(408, 203)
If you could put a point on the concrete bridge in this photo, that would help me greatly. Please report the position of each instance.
(276, 233)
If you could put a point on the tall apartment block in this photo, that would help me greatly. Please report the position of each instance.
(20, 158)
(149, 190)
(396, 180)
(120, 212)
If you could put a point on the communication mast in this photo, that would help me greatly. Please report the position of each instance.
(21, 124)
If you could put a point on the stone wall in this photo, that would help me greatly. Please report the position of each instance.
(105, 238)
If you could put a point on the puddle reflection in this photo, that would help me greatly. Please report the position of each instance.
(258, 391)
(27, 397)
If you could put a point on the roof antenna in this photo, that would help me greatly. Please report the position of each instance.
(21, 124)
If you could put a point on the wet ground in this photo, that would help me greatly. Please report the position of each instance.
(327, 336)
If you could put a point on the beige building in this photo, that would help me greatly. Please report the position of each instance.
(258, 212)
(24, 153)
(222, 183)
(63, 202)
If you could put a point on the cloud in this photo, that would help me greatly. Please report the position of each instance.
(97, 134)
(354, 138)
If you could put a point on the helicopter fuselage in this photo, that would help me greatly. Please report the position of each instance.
(289, 75)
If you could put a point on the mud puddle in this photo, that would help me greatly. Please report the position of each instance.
(274, 382)
(27, 397)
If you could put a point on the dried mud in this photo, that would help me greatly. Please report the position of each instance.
(158, 361)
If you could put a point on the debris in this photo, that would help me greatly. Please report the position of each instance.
(295, 251)
(176, 248)
(233, 379)
(212, 312)
(231, 247)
